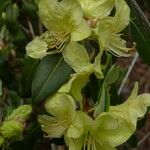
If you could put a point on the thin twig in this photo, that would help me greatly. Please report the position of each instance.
(31, 28)
(24, 29)
(40, 27)
(61, 148)
(143, 139)
(140, 12)
(128, 73)
(53, 147)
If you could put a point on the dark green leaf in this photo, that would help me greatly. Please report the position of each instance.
(140, 27)
(15, 99)
(29, 7)
(30, 66)
(92, 88)
(51, 74)
(143, 41)
(3, 4)
(115, 99)
(11, 15)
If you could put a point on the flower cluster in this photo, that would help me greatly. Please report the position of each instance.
(69, 24)
(76, 20)
(104, 132)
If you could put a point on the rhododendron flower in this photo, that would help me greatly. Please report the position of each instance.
(97, 8)
(63, 119)
(105, 132)
(67, 23)
(109, 31)
(77, 57)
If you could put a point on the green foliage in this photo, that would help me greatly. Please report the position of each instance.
(29, 70)
(51, 74)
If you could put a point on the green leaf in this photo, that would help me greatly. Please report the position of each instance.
(112, 75)
(142, 38)
(29, 69)
(29, 7)
(140, 28)
(4, 4)
(51, 74)
(12, 13)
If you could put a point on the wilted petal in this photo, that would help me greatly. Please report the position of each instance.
(118, 46)
(48, 43)
(37, 48)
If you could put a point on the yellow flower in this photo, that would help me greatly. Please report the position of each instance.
(109, 31)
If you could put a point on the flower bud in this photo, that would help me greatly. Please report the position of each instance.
(11, 129)
(21, 113)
